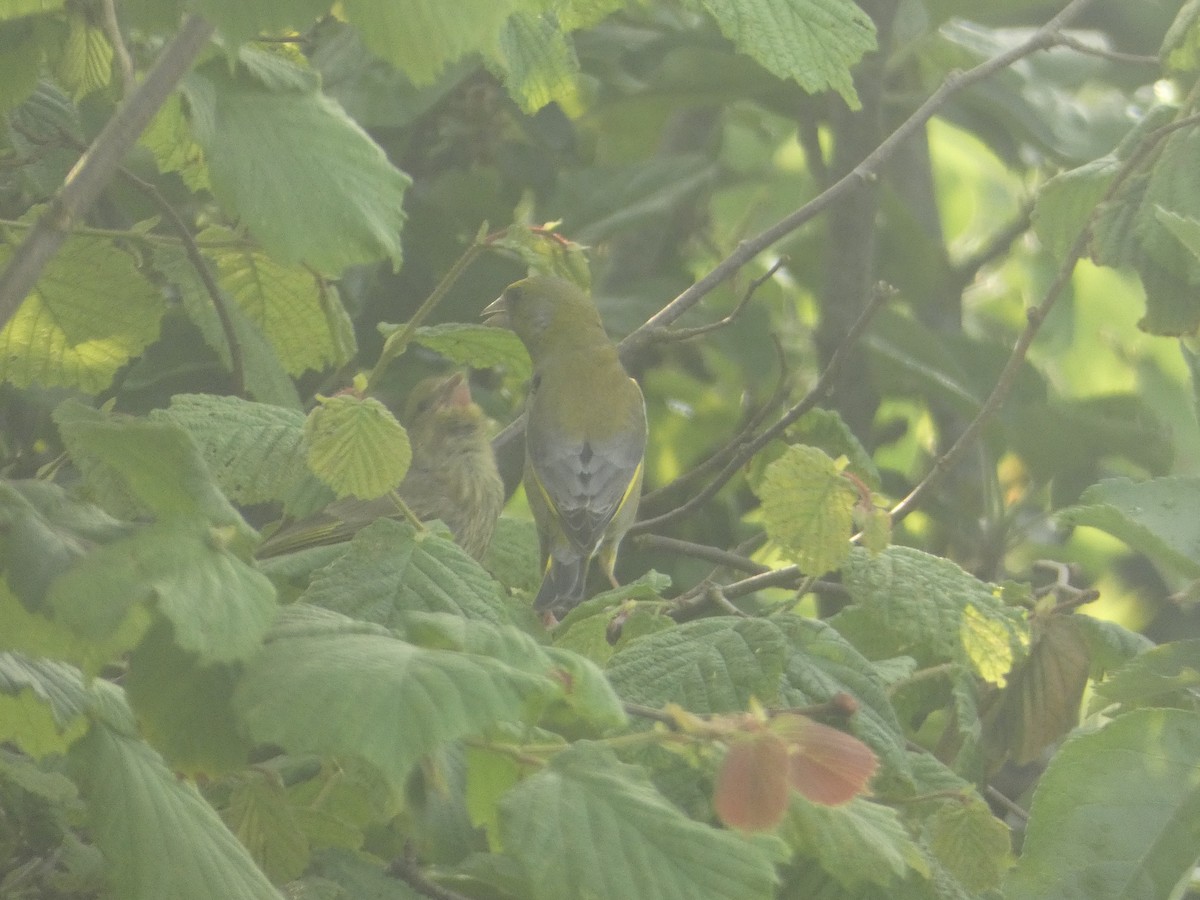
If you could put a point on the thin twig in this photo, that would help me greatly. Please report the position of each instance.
(1035, 316)
(96, 167)
(867, 170)
(1137, 59)
(112, 30)
(999, 244)
(748, 450)
(407, 869)
(700, 551)
(686, 334)
(1000, 800)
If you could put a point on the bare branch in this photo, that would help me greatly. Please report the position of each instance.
(700, 551)
(112, 30)
(97, 166)
(686, 334)
(1137, 59)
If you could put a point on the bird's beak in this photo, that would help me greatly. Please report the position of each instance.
(496, 313)
(455, 391)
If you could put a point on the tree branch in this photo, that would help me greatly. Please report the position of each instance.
(97, 166)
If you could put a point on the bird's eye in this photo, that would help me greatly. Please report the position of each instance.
(512, 295)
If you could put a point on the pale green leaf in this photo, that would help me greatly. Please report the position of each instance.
(389, 570)
(478, 346)
(85, 62)
(1156, 517)
(219, 607)
(1180, 50)
(910, 603)
(1185, 228)
(1168, 675)
(825, 429)
(15, 9)
(814, 42)
(512, 555)
(808, 508)
(89, 314)
(708, 666)
(1066, 201)
(323, 684)
(298, 312)
(262, 371)
(23, 47)
(159, 837)
(857, 842)
(239, 21)
(420, 37)
(1116, 815)
(356, 446)
(589, 825)
(255, 451)
(42, 704)
(169, 138)
(974, 845)
(539, 64)
(260, 813)
(135, 465)
(307, 181)
(1110, 645)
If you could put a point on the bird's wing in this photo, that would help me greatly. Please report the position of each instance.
(586, 481)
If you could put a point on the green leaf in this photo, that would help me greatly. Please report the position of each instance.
(825, 429)
(134, 465)
(478, 346)
(420, 37)
(708, 666)
(1180, 51)
(974, 845)
(255, 451)
(325, 684)
(857, 842)
(808, 508)
(85, 62)
(15, 9)
(389, 570)
(539, 64)
(1066, 201)
(89, 314)
(1154, 517)
(158, 835)
(591, 826)
(42, 704)
(262, 816)
(264, 141)
(169, 138)
(910, 603)
(242, 21)
(1116, 813)
(218, 606)
(512, 555)
(814, 42)
(356, 446)
(1168, 675)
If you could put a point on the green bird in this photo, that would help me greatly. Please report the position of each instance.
(585, 434)
(452, 477)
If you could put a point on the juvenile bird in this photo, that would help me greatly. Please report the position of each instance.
(585, 434)
(452, 477)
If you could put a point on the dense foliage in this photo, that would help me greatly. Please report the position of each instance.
(911, 290)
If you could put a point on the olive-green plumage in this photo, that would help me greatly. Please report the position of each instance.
(452, 477)
(585, 434)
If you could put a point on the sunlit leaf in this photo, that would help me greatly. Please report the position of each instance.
(808, 508)
(356, 446)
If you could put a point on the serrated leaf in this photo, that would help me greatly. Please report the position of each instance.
(389, 570)
(539, 63)
(808, 508)
(512, 555)
(134, 465)
(1168, 675)
(159, 837)
(218, 606)
(974, 845)
(857, 843)
(255, 451)
(825, 429)
(323, 685)
(262, 141)
(821, 665)
(589, 825)
(298, 312)
(420, 37)
(751, 790)
(825, 765)
(1154, 517)
(260, 813)
(1100, 831)
(814, 42)
(242, 21)
(1066, 202)
(356, 446)
(707, 666)
(478, 346)
(85, 62)
(910, 603)
(169, 138)
(42, 704)
(1110, 645)
(89, 314)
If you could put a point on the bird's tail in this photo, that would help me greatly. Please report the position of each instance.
(563, 584)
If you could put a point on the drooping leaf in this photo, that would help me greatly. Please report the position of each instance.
(260, 813)
(478, 346)
(264, 139)
(825, 765)
(356, 446)
(85, 60)
(539, 63)
(751, 791)
(42, 704)
(814, 42)
(970, 841)
(589, 825)
(1116, 813)
(1167, 675)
